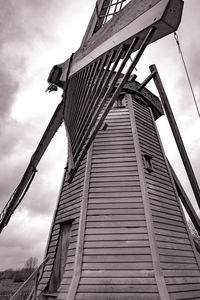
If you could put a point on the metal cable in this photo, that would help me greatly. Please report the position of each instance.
(185, 67)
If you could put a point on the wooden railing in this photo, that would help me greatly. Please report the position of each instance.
(33, 276)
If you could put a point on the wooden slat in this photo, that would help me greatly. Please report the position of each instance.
(117, 288)
(116, 281)
(115, 224)
(137, 206)
(119, 251)
(113, 218)
(119, 273)
(129, 213)
(117, 296)
(118, 266)
(177, 259)
(117, 230)
(116, 194)
(116, 237)
(115, 244)
(118, 258)
(126, 199)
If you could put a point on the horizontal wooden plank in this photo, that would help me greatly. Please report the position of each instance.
(184, 287)
(168, 221)
(171, 228)
(115, 224)
(179, 266)
(71, 198)
(167, 215)
(117, 173)
(120, 183)
(185, 295)
(116, 237)
(117, 288)
(118, 266)
(117, 258)
(116, 244)
(137, 206)
(113, 217)
(156, 202)
(158, 175)
(120, 273)
(121, 146)
(160, 195)
(68, 211)
(114, 133)
(171, 239)
(70, 205)
(130, 199)
(122, 195)
(118, 211)
(177, 259)
(174, 252)
(182, 280)
(112, 142)
(110, 138)
(119, 251)
(180, 273)
(160, 183)
(159, 188)
(174, 245)
(117, 296)
(113, 180)
(116, 281)
(115, 169)
(117, 230)
(119, 188)
(161, 210)
(107, 156)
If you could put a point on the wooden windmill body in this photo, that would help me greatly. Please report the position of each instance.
(119, 231)
(127, 237)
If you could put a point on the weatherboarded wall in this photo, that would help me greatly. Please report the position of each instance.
(128, 236)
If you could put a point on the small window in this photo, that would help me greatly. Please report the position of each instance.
(60, 256)
(120, 102)
(148, 162)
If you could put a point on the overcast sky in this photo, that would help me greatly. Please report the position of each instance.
(36, 35)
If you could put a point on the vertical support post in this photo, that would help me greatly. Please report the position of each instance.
(176, 133)
(35, 287)
(186, 202)
(159, 276)
(81, 231)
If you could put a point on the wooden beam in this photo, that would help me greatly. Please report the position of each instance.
(81, 230)
(146, 81)
(161, 284)
(51, 129)
(133, 20)
(186, 202)
(176, 133)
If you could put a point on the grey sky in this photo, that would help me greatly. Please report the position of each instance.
(36, 35)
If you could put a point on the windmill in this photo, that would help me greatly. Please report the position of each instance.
(119, 231)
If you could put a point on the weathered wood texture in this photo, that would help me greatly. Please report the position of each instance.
(134, 19)
(68, 209)
(177, 255)
(116, 257)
